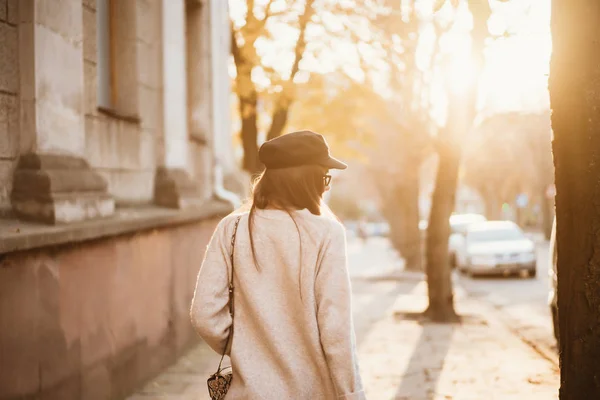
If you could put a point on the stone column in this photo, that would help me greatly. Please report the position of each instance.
(53, 183)
(221, 133)
(199, 90)
(174, 187)
(220, 39)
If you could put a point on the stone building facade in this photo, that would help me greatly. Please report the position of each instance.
(114, 136)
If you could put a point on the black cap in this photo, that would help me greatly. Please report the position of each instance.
(296, 149)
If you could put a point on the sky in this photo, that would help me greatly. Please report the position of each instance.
(514, 78)
(516, 75)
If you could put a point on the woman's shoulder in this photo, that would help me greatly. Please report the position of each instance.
(234, 216)
(328, 224)
(226, 224)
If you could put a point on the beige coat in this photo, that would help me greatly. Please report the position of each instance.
(293, 330)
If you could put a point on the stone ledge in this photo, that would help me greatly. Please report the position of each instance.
(16, 235)
(174, 188)
(134, 119)
(55, 189)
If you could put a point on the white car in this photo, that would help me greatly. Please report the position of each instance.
(496, 247)
(458, 228)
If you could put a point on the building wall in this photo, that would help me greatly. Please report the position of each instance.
(123, 150)
(124, 147)
(92, 321)
(95, 299)
(9, 100)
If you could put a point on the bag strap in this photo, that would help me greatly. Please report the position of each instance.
(231, 310)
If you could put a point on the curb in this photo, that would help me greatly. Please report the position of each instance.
(527, 334)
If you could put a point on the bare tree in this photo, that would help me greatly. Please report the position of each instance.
(282, 93)
(406, 143)
(246, 59)
(461, 112)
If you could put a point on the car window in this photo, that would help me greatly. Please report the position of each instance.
(495, 235)
(458, 228)
(460, 223)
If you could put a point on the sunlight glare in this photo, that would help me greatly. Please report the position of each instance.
(461, 75)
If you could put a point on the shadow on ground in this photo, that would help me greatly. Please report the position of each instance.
(427, 360)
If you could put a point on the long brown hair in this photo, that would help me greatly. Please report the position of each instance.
(287, 189)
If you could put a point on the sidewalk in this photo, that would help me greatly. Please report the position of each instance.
(478, 359)
(403, 358)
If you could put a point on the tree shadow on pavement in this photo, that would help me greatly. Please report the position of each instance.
(421, 376)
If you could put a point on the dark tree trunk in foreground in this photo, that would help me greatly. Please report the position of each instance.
(437, 267)
(575, 100)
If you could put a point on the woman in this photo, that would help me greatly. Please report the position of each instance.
(293, 335)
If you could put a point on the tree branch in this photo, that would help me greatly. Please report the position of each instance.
(254, 26)
(285, 98)
(250, 17)
(267, 13)
(301, 42)
(235, 49)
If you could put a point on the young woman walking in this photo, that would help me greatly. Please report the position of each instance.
(288, 327)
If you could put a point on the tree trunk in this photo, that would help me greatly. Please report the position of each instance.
(410, 246)
(547, 214)
(401, 210)
(248, 99)
(249, 134)
(282, 108)
(461, 111)
(437, 266)
(574, 85)
(393, 216)
(280, 117)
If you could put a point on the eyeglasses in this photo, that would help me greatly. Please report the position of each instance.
(327, 180)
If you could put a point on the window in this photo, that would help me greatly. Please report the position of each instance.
(105, 75)
(117, 57)
(198, 70)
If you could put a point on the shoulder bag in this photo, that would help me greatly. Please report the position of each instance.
(219, 382)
